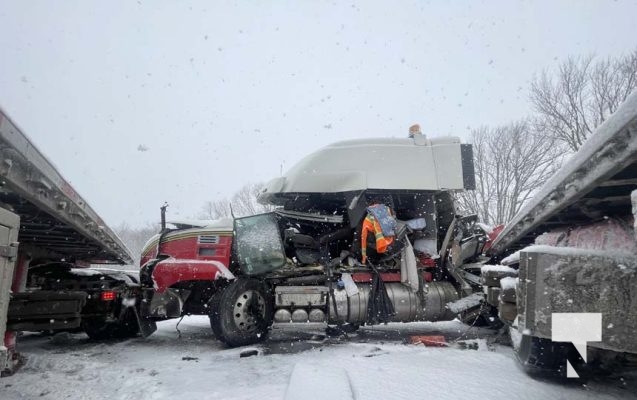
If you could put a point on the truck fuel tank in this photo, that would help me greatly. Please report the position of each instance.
(301, 304)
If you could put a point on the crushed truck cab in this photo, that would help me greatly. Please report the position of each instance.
(304, 262)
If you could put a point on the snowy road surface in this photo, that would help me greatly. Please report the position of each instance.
(374, 364)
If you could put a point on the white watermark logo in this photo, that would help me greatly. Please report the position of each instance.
(577, 328)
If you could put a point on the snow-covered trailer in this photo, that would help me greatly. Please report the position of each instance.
(43, 220)
(573, 246)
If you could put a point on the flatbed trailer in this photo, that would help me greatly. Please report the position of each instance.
(42, 219)
(573, 247)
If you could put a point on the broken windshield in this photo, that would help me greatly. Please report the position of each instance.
(258, 244)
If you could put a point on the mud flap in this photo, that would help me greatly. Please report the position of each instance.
(147, 326)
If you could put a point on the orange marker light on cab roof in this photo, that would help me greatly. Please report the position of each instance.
(414, 130)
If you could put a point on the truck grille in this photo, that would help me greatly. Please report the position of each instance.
(208, 239)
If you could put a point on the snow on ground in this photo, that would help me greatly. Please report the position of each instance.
(375, 362)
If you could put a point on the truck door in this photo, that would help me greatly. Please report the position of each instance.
(258, 245)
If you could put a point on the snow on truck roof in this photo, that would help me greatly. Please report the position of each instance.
(417, 163)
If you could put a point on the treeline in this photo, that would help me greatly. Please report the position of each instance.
(512, 161)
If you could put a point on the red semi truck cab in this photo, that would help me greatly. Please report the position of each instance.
(192, 258)
(292, 265)
(192, 241)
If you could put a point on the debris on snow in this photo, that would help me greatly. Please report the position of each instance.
(428, 340)
(249, 353)
(152, 368)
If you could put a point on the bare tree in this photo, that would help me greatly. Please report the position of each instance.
(511, 162)
(215, 209)
(136, 238)
(243, 202)
(571, 103)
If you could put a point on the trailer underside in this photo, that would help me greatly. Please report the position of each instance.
(53, 223)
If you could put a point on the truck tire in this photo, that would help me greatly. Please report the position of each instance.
(213, 306)
(539, 356)
(241, 313)
(128, 327)
(99, 329)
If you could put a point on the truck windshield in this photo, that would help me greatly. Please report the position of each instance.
(258, 244)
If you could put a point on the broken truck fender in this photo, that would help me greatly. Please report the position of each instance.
(171, 271)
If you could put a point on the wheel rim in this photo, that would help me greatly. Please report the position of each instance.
(244, 310)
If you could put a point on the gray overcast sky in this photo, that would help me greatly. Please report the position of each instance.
(223, 93)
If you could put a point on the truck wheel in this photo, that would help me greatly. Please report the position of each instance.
(128, 327)
(241, 313)
(213, 305)
(99, 329)
(540, 356)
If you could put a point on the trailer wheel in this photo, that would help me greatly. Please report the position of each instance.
(241, 313)
(99, 329)
(128, 327)
(542, 357)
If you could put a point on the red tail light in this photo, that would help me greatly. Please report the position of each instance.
(108, 295)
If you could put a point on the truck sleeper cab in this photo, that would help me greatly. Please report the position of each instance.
(302, 262)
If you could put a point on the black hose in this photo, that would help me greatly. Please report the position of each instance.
(379, 308)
